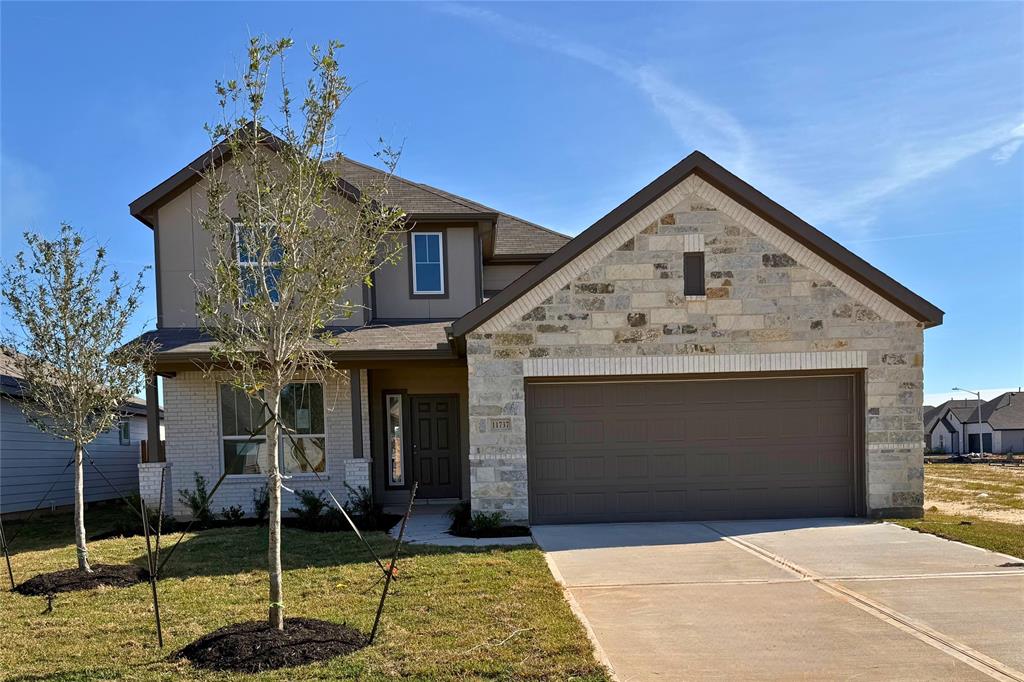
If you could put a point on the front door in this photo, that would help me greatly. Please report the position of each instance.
(435, 445)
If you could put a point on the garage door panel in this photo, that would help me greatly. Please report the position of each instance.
(677, 450)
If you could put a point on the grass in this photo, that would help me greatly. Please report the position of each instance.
(997, 536)
(956, 510)
(995, 493)
(453, 614)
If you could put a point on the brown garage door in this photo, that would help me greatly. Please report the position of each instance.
(682, 450)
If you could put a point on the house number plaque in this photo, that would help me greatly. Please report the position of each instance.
(501, 423)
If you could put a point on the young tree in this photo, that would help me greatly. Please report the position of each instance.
(289, 239)
(72, 317)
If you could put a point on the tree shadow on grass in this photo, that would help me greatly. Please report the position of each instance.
(229, 551)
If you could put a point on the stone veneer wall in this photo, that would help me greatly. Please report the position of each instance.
(771, 305)
(192, 426)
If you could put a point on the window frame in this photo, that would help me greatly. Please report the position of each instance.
(262, 266)
(442, 237)
(402, 395)
(221, 438)
(124, 422)
(298, 436)
(703, 280)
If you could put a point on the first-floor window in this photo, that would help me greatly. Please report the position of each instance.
(124, 431)
(302, 445)
(395, 438)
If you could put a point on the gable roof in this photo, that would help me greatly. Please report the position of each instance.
(1004, 412)
(513, 236)
(699, 164)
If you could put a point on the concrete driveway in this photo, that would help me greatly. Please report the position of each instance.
(805, 599)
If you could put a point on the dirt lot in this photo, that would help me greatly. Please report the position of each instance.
(979, 490)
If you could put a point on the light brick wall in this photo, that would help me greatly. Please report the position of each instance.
(771, 305)
(193, 444)
(149, 483)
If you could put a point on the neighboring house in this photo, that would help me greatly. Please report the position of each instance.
(30, 459)
(699, 352)
(953, 427)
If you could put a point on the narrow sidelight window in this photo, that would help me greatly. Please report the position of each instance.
(693, 273)
(394, 439)
(427, 263)
(244, 443)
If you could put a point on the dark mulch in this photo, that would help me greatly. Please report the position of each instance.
(336, 523)
(254, 646)
(73, 579)
(499, 532)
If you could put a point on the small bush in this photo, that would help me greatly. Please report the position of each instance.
(484, 521)
(261, 503)
(310, 512)
(360, 501)
(462, 518)
(232, 514)
(198, 501)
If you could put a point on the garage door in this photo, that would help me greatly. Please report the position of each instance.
(685, 450)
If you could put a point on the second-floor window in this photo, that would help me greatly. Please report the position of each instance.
(124, 431)
(256, 267)
(427, 263)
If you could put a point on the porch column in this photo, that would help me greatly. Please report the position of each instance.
(152, 420)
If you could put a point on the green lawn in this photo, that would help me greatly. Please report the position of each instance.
(997, 536)
(454, 614)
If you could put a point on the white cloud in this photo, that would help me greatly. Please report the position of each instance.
(924, 149)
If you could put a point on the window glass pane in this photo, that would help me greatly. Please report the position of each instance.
(302, 408)
(240, 414)
(428, 277)
(303, 454)
(276, 251)
(245, 457)
(693, 273)
(419, 248)
(396, 470)
(433, 248)
(272, 276)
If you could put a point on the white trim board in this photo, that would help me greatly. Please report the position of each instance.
(693, 364)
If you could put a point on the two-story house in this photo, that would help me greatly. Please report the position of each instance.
(699, 352)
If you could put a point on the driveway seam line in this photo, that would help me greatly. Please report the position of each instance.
(920, 631)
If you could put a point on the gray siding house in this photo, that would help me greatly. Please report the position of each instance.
(30, 460)
(700, 352)
(953, 427)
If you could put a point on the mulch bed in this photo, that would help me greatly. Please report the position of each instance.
(254, 646)
(499, 532)
(73, 579)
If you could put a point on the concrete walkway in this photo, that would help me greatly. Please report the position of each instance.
(808, 599)
(429, 524)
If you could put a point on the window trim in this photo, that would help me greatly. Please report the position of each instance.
(123, 422)
(403, 396)
(221, 438)
(442, 235)
(695, 295)
(262, 266)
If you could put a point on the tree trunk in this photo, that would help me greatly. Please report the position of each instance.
(83, 553)
(274, 513)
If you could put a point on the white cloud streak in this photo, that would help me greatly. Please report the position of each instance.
(922, 154)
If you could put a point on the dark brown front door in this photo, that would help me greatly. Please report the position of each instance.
(435, 445)
(684, 450)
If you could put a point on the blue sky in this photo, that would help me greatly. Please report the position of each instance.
(895, 128)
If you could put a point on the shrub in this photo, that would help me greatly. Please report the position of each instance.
(232, 514)
(309, 513)
(260, 503)
(360, 501)
(198, 501)
(462, 518)
(483, 521)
